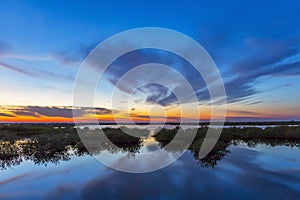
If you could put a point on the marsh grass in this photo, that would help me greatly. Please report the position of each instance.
(252, 136)
(52, 143)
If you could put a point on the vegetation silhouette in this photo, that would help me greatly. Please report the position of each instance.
(52, 143)
(271, 136)
(45, 144)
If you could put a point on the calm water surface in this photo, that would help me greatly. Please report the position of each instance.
(260, 172)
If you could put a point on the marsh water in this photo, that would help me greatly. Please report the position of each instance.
(235, 170)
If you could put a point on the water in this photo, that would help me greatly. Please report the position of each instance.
(155, 127)
(235, 171)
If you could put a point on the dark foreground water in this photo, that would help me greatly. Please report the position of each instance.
(239, 172)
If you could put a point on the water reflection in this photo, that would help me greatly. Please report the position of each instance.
(57, 144)
(247, 164)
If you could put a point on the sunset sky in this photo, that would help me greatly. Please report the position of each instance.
(255, 45)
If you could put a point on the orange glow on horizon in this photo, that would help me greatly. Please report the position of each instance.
(140, 116)
(107, 118)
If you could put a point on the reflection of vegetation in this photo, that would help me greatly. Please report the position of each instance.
(273, 136)
(53, 143)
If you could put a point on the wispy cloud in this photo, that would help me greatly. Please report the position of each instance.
(267, 60)
(264, 57)
(73, 56)
(16, 69)
(38, 73)
(53, 111)
(264, 54)
(243, 112)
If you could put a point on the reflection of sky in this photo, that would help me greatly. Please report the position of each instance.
(262, 172)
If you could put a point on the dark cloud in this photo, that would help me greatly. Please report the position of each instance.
(26, 113)
(167, 118)
(239, 89)
(158, 94)
(253, 103)
(142, 116)
(6, 115)
(98, 111)
(50, 111)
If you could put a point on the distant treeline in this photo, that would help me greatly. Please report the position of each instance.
(256, 123)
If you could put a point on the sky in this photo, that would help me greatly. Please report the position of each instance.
(254, 44)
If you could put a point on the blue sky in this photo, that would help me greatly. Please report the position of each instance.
(255, 45)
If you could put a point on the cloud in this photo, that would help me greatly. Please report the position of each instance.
(258, 58)
(251, 119)
(66, 58)
(251, 58)
(38, 73)
(65, 112)
(158, 94)
(6, 115)
(268, 59)
(15, 178)
(242, 112)
(6, 52)
(53, 111)
(158, 118)
(254, 102)
(239, 89)
(266, 53)
(161, 94)
(264, 57)
(26, 113)
(16, 69)
(38, 111)
(74, 56)
(97, 111)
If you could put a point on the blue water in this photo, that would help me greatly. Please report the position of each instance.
(244, 173)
